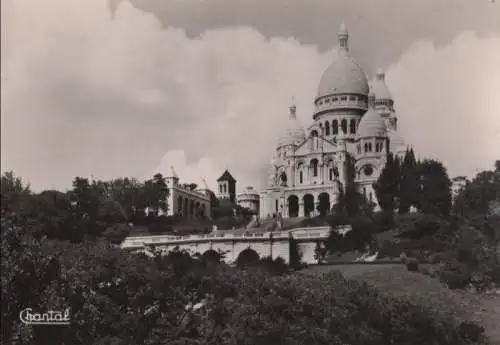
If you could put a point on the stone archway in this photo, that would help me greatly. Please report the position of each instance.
(324, 203)
(293, 206)
(247, 257)
(211, 256)
(308, 204)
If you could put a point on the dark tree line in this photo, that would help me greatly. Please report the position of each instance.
(89, 209)
(408, 183)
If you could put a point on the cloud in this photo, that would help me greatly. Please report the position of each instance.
(447, 101)
(193, 172)
(87, 92)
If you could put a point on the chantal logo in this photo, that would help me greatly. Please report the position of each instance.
(51, 317)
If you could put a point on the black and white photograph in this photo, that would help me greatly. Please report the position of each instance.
(250, 172)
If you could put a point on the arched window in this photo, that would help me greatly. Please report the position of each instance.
(353, 126)
(276, 203)
(366, 147)
(335, 127)
(359, 148)
(331, 174)
(369, 147)
(327, 128)
(220, 188)
(314, 166)
(344, 126)
(301, 177)
(314, 133)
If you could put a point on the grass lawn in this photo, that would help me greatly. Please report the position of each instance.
(396, 280)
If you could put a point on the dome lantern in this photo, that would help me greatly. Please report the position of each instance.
(294, 133)
(343, 37)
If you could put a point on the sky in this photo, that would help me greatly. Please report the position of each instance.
(130, 88)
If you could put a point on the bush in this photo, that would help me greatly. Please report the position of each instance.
(274, 266)
(412, 265)
(470, 331)
(454, 279)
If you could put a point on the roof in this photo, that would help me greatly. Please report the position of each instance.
(226, 176)
(379, 87)
(371, 124)
(294, 133)
(343, 76)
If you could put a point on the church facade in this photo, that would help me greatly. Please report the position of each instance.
(353, 121)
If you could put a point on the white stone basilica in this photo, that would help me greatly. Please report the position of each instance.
(352, 119)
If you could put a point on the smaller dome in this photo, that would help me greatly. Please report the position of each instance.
(379, 87)
(293, 134)
(371, 124)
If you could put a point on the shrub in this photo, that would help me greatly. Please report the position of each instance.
(412, 265)
(470, 331)
(274, 266)
(454, 279)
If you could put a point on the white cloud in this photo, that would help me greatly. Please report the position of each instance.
(193, 172)
(447, 101)
(84, 91)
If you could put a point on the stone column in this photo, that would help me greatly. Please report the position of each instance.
(285, 209)
(301, 208)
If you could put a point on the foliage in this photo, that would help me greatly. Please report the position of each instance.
(409, 190)
(387, 185)
(412, 265)
(295, 255)
(435, 188)
(470, 331)
(276, 266)
(116, 233)
(117, 297)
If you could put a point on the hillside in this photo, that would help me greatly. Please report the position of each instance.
(396, 280)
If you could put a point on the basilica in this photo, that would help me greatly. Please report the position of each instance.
(353, 121)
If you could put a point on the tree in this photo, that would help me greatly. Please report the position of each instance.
(409, 191)
(436, 188)
(387, 186)
(14, 193)
(477, 197)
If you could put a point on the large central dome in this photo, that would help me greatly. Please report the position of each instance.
(343, 76)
